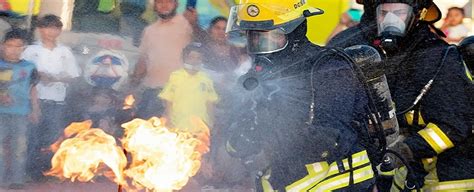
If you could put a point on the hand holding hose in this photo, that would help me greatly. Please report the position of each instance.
(401, 149)
(400, 155)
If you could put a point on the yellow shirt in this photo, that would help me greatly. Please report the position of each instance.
(188, 96)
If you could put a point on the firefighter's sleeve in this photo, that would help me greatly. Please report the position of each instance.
(445, 110)
(337, 98)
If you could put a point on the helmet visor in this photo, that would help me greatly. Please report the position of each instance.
(232, 20)
(394, 18)
(262, 42)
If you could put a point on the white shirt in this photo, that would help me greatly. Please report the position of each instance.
(59, 63)
(458, 31)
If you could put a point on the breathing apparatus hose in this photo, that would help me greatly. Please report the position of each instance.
(359, 74)
(378, 125)
(376, 118)
(361, 77)
(428, 85)
(422, 93)
(410, 172)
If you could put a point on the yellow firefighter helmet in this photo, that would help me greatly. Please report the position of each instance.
(267, 22)
(267, 15)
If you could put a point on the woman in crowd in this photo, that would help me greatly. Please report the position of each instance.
(221, 60)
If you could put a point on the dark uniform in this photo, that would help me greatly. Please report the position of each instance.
(309, 112)
(441, 137)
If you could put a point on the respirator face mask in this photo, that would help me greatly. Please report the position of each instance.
(393, 21)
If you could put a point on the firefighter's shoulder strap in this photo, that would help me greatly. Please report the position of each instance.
(340, 54)
(323, 54)
(374, 146)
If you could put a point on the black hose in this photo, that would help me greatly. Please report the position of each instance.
(374, 117)
(428, 85)
(410, 172)
(426, 88)
(373, 110)
(378, 125)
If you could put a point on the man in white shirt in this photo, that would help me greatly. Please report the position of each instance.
(57, 68)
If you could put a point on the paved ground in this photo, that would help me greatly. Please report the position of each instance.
(102, 186)
(67, 187)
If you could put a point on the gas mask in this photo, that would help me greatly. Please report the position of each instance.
(393, 21)
(252, 79)
(272, 51)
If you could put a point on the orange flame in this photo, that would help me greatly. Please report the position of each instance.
(83, 156)
(128, 102)
(72, 129)
(162, 160)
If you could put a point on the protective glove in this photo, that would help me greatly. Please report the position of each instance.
(256, 162)
(244, 141)
(402, 150)
(392, 161)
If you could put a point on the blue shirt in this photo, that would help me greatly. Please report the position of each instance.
(19, 87)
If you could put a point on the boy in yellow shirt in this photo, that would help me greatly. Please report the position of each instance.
(189, 94)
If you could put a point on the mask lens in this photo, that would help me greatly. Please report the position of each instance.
(261, 42)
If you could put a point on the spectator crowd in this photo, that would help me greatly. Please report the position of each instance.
(183, 72)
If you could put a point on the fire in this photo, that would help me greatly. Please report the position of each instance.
(84, 155)
(162, 160)
(128, 102)
(71, 130)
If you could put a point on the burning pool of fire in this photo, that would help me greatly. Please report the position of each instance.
(84, 155)
(161, 159)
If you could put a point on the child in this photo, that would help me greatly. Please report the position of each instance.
(102, 109)
(189, 93)
(58, 69)
(18, 104)
(453, 25)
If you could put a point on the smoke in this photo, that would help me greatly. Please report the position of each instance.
(277, 91)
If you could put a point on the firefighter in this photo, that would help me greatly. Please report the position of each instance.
(303, 105)
(430, 86)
